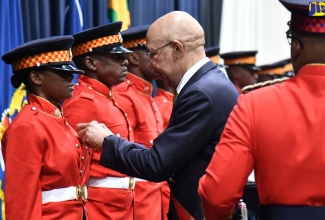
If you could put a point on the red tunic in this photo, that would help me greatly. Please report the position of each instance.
(135, 97)
(92, 100)
(42, 153)
(164, 101)
(279, 131)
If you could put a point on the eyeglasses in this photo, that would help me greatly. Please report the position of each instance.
(153, 53)
(291, 38)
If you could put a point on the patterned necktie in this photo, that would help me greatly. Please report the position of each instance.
(175, 98)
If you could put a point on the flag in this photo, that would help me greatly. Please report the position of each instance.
(11, 32)
(11, 36)
(18, 100)
(118, 10)
(74, 22)
(2, 195)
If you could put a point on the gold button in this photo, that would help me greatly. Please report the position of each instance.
(81, 172)
(151, 142)
(89, 87)
(34, 108)
(118, 135)
(82, 158)
(57, 113)
(77, 145)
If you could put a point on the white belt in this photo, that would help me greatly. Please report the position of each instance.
(113, 182)
(140, 180)
(65, 194)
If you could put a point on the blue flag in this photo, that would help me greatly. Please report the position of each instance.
(11, 36)
(2, 175)
(74, 21)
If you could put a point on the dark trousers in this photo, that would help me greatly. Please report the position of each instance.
(172, 214)
(250, 197)
(279, 212)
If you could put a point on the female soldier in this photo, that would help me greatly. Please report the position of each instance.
(46, 164)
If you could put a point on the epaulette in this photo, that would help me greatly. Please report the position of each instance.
(249, 88)
(87, 95)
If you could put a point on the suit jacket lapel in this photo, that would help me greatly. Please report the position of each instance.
(204, 69)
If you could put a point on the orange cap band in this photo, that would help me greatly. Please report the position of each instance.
(241, 60)
(134, 43)
(99, 42)
(43, 58)
(215, 59)
(288, 67)
(275, 71)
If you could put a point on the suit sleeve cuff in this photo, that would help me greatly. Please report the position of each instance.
(108, 156)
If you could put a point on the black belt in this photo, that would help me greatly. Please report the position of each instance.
(282, 212)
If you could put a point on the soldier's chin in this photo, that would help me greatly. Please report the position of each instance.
(120, 80)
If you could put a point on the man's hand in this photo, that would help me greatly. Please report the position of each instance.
(93, 133)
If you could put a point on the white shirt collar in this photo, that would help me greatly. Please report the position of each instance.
(190, 72)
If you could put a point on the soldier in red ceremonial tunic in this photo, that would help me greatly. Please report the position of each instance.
(278, 131)
(240, 67)
(271, 71)
(47, 166)
(135, 97)
(99, 52)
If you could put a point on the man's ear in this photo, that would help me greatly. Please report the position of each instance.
(90, 63)
(295, 50)
(178, 48)
(133, 58)
(36, 77)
